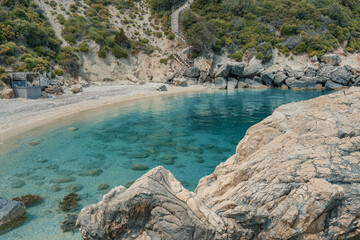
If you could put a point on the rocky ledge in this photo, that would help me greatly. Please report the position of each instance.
(295, 175)
(320, 75)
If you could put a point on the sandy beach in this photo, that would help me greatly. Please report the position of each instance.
(21, 115)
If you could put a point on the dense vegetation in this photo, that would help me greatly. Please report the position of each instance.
(27, 41)
(314, 27)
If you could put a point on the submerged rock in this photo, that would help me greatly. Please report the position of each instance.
(28, 199)
(139, 167)
(11, 213)
(103, 186)
(295, 175)
(90, 173)
(18, 183)
(64, 179)
(33, 143)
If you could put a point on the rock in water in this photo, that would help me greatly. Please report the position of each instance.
(294, 176)
(11, 212)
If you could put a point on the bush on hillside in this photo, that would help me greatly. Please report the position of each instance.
(119, 52)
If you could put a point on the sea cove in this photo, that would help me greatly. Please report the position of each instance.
(189, 134)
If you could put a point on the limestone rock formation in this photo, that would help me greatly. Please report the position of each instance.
(295, 175)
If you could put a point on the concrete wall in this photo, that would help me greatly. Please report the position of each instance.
(31, 92)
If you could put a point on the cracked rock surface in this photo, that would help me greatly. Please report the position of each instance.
(295, 175)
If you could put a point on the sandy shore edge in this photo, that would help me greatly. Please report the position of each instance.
(9, 129)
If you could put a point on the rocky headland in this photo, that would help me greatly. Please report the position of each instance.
(295, 175)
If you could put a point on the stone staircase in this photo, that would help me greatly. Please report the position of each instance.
(176, 11)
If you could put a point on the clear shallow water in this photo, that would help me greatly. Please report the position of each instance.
(188, 134)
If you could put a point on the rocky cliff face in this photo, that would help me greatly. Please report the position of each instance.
(295, 175)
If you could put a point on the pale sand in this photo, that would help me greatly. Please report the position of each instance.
(18, 116)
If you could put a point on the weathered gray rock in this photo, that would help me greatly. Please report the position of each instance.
(299, 73)
(279, 78)
(311, 71)
(267, 77)
(220, 83)
(289, 71)
(192, 72)
(10, 211)
(302, 83)
(294, 176)
(255, 66)
(223, 71)
(341, 75)
(330, 85)
(357, 82)
(162, 88)
(290, 42)
(169, 76)
(237, 69)
(232, 83)
(331, 59)
(254, 84)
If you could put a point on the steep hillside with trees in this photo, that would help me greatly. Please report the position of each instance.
(314, 27)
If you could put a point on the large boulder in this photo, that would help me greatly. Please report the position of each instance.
(341, 75)
(255, 66)
(330, 85)
(305, 83)
(294, 176)
(279, 78)
(11, 212)
(311, 71)
(331, 59)
(232, 83)
(220, 83)
(254, 84)
(357, 82)
(223, 71)
(237, 69)
(267, 77)
(192, 72)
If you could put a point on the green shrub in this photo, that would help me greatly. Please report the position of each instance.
(119, 52)
(237, 56)
(61, 19)
(144, 40)
(102, 53)
(259, 55)
(159, 34)
(58, 72)
(300, 48)
(84, 47)
(53, 75)
(288, 29)
(171, 36)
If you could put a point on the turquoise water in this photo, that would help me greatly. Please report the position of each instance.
(189, 134)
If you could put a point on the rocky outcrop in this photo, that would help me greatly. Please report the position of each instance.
(331, 59)
(295, 175)
(11, 212)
